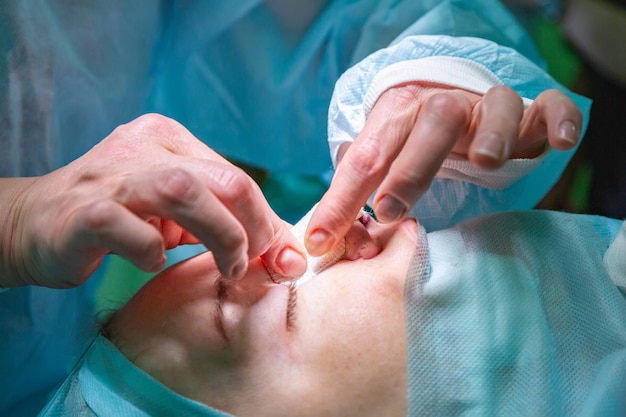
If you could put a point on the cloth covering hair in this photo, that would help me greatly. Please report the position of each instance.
(518, 314)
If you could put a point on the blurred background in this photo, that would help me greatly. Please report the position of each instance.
(583, 44)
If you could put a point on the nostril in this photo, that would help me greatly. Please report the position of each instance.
(365, 218)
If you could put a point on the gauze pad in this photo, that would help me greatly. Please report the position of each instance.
(316, 264)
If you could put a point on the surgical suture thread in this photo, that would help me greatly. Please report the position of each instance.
(291, 305)
(292, 297)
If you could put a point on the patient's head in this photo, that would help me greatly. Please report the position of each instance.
(231, 346)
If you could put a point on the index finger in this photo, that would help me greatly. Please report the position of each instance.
(176, 194)
(362, 168)
(266, 234)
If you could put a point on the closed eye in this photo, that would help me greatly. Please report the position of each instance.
(221, 295)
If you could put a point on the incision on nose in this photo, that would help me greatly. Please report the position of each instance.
(359, 242)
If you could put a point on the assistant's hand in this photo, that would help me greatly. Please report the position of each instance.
(149, 186)
(410, 132)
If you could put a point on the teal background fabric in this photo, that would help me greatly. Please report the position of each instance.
(105, 383)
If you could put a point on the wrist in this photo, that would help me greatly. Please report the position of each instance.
(12, 257)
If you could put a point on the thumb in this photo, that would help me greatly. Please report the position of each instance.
(286, 255)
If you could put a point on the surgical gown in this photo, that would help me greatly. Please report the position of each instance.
(251, 79)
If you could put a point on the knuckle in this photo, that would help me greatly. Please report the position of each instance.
(178, 186)
(404, 95)
(236, 185)
(151, 122)
(448, 112)
(367, 159)
(446, 105)
(98, 216)
(147, 127)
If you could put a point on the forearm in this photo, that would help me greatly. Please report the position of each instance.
(11, 209)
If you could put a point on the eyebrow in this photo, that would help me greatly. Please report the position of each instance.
(222, 291)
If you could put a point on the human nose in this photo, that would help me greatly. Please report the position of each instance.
(362, 238)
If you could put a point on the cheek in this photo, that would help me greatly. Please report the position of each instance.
(361, 333)
(356, 345)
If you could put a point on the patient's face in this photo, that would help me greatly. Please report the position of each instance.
(343, 352)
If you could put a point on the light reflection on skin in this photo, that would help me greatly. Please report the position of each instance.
(344, 355)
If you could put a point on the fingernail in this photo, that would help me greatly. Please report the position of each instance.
(390, 209)
(291, 262)
(492, 147)
(567, 132)
(319, 242)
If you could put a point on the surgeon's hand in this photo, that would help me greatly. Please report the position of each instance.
(149, 186)
(413, 128)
